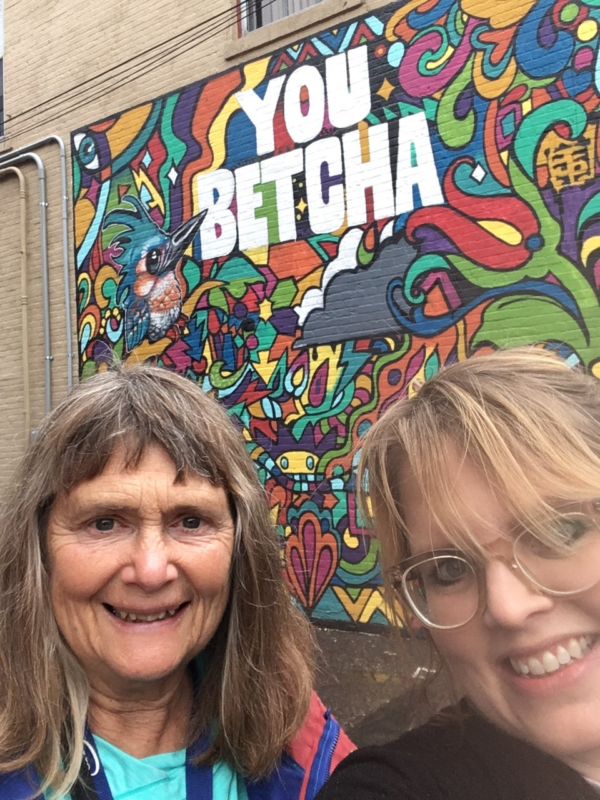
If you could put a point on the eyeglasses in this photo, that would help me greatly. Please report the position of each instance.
(446, 588)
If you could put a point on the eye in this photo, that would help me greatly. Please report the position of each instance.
(104, 524)
(450, 570)
(560, 535)
(569, 529)
(153, 260)
(191, 523)
(87, 150)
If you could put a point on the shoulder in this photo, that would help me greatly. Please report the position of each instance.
(309, 759)
(409, 767)
(458, 759)
(319, 746)
(19, 785)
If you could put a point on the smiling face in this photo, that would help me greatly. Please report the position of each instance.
(140, 569)
(518, 629)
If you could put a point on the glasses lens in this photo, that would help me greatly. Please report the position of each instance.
(443, 591)
(564, 556)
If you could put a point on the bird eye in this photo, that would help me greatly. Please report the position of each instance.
(153, 260)
(87, 150)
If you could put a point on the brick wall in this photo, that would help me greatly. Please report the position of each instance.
(60, 72)
(355, 241)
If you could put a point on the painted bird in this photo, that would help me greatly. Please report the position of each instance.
(149, 290)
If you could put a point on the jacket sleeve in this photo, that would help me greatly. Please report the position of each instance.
(318, 747)
(368, 774)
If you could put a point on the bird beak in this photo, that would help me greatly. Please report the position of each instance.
(181, 239)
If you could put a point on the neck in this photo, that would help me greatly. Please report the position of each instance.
(146, 720)
(586, 763)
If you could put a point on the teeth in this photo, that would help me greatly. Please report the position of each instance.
(519, 666)
(127, 617)
(536, 667)
(574, 648)
(548, 662)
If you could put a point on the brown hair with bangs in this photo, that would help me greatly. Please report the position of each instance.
(529, 422)
(259, 667)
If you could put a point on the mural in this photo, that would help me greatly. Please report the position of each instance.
(309, 233)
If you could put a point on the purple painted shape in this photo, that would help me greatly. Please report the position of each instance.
(418, 85)
(323, 569)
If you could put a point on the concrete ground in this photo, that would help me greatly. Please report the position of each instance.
(374, 683)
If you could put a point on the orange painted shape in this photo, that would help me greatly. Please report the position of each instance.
(436, 304)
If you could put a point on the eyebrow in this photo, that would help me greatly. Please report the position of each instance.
(101, 509)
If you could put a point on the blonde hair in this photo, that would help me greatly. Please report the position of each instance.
(528, 422)
(258, 676)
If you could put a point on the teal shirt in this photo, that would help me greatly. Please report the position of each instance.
(160, 777)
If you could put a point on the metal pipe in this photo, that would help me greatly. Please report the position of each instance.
(65, 237)
(24, 318)
(44, 257)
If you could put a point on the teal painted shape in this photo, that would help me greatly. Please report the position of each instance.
(376, 25)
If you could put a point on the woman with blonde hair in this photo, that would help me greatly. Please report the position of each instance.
(148, 645)
(484, 490)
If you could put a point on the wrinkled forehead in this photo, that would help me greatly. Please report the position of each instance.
(108, 466)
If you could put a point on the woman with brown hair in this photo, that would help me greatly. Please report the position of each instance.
(484, 490)
(148, 645)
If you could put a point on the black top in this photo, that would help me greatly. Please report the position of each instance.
(455, 758)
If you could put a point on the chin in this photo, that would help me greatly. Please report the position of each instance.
(148, 671)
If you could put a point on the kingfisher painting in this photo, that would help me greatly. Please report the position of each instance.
(149, 289)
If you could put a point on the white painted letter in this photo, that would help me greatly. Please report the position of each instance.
(253, 230)
(218, 232)
(280, 169)
(413, 137)
(261, 111)
(304, 127)
(348, 87)
(376, 173)
(324, 217)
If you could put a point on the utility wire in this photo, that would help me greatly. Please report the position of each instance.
(224, 21)
(227, 13)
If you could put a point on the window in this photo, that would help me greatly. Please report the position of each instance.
(257, 13)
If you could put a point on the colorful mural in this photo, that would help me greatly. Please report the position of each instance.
(309, 233)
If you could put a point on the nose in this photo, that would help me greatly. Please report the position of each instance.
(150, 564)
(510, 597)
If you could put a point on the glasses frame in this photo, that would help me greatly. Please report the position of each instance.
(398, 577)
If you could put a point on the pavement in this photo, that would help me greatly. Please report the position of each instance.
(378, 685)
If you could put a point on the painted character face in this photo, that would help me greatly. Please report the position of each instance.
(518, 628)
(140, 569)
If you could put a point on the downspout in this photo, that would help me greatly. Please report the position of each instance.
(17, 159)
(65, 237)
(24, 319)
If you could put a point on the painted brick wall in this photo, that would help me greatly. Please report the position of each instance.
(311, 298)
(61, 70)
(382, 197)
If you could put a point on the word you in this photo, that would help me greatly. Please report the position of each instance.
(254, 205)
